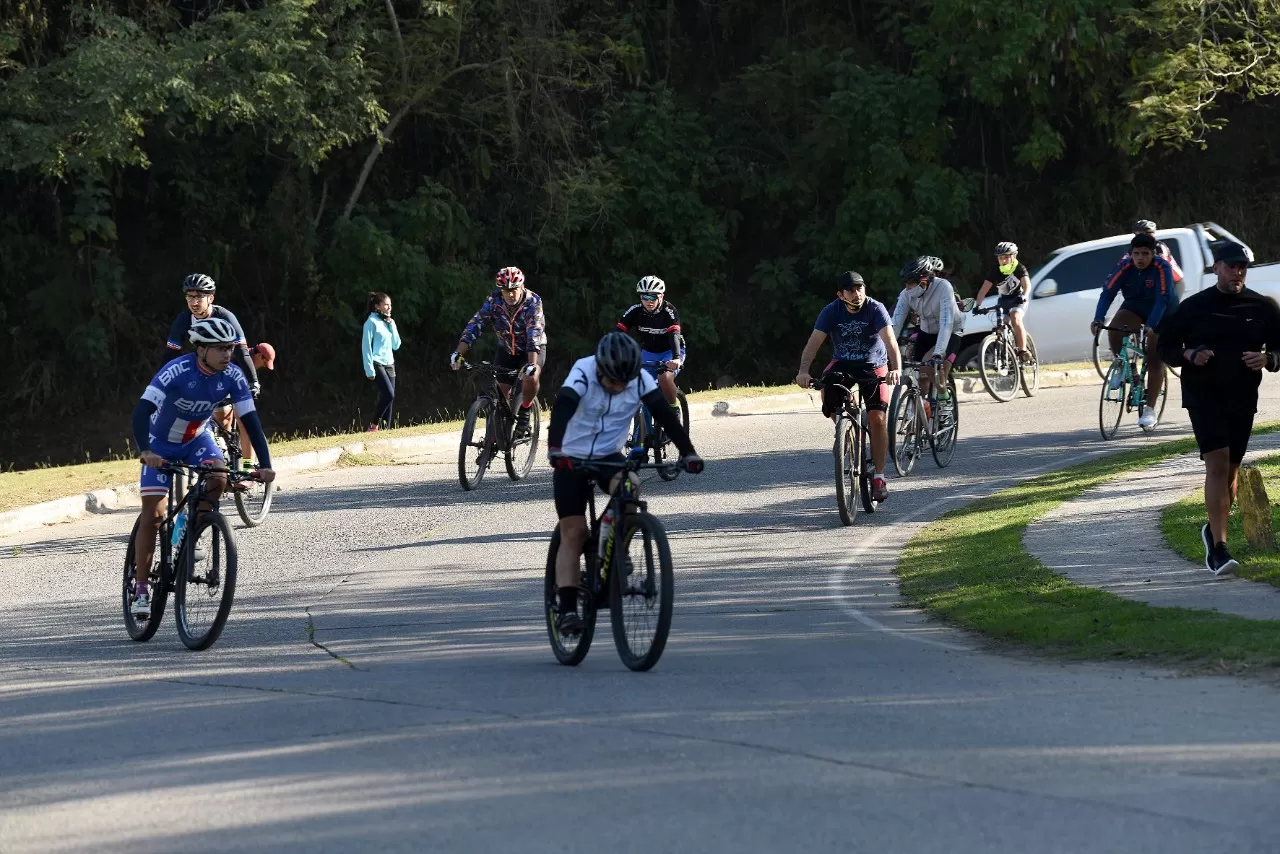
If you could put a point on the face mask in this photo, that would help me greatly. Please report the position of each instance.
(854, 305)
(1006, 269)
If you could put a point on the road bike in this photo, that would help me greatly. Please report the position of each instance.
(631, 574)
(998, 363)
(490, 427)
(648, 437)
(915, 421)
(1103, 357)
(253, 497)
(854, 468)
(198, 566)
(1128, 375)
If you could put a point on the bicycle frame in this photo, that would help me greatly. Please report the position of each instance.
(622, 501)
(650, 428)
(1133, 356)
(501, 402)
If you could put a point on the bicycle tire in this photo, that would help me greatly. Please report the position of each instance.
(481, 407)
(998, 366)
(192, 583)
(846, 483)
(259, 494)
(944, 443)
(652, 591)
(667, 447)
(518, 468)
(146, 629)
(1118, 398)
(1029, 388)
(1102, 355)
(904, 440)
(867, 468)
(569, 655)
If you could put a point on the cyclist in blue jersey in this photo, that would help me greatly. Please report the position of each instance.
(655, 322)
(171, 423)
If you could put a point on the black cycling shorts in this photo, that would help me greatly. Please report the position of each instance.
(1216, 429)
(874, 393)
(926, 341)
(572, 487)
(1012, 302)
(514, 362)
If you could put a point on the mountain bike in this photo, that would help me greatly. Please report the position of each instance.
(253, 498)
(631, 575)
(852, 449)
(915, 420)
(648, 436)
(199, 568)
(998, 363)
(1128, 373)
(490, 427)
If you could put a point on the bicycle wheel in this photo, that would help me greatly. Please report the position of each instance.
(204, 591)
(998, 367)
(904, 433)
(522, 452)
(568, 650)
(641, 592)
(475, 449)
(141, 629)
(667, 448)
(867, 469)
(253, 501)
(845, 452)
(1112, 402)
(948, 428)
(1030, 371)
(1102, 355)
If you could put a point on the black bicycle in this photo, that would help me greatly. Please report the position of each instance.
(490, 427)
(631, 575)
(998, 363)
(852, 450)
(198, 565)
(650, 436)
(253, 497)
(915, 422)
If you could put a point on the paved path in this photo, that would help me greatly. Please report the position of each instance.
(799, 705)
(1110, 538)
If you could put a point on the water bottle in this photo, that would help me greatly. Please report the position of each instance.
(928, 408)
(179, 528)
(606, 527)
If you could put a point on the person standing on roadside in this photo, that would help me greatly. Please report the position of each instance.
(1222, 337)
(379, 342)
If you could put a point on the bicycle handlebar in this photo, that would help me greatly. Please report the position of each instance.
(205, 471)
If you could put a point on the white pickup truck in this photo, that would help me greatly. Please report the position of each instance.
(1065, 288)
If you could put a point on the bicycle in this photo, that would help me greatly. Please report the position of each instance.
(639, 602)
(998, 363)
(854, 467)
(490, 427)
(1131, 391)
(192, 570)
(649, 436)
(253, 500)
(913, 421)
(1103, 357)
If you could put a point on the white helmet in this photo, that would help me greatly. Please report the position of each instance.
(651, 285)
(1006, 248)
(213, 330)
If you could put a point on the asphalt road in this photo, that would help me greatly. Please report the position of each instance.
(799, 706)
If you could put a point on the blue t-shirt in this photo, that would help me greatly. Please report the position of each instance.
(855, 337)
(185, 395)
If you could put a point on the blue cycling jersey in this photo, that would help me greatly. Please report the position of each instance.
(185, 395)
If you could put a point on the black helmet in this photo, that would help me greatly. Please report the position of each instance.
(198, 282)
(917, 268)
(618, 357)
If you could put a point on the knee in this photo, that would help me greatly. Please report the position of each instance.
(877, 417)
(573, 530)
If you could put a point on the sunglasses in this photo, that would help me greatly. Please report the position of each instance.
(648, 298)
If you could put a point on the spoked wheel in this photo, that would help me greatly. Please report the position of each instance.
(867, 471)
(904, 433)
(1160, 403)
(141, 628)
(568, 650)
(1102, 355)
(253, 501)
(846, 460)
(947, 420)
(476, 448)
(1031, 370)
(524, 449)
(206, 587)
(998, 366)
(666, 449)
(642, 591)
(1113, 401)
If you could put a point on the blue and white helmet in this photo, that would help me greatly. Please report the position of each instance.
(212, 330)
(651, 285)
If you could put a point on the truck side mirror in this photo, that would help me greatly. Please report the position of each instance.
(1047, 288)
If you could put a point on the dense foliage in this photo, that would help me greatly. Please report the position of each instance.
(304, 152)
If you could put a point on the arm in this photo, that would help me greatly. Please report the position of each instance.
(475, 326)
(253, 426)
(535, 332)
(669, 421)
(178, 332)
(395, 335)
(810, 351)
(895, 355)
(1164, 299)
(946, 319)
(142, 413)
(1110, 289)
(366, 347)
(245, 362)
(561, 411)
(900, 312)
(987, 285)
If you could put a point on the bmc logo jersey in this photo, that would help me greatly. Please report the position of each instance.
(654, 328)
(185, 395)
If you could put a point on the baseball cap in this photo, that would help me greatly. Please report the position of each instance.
(1230, 252)
(265, 354)
(849, 280)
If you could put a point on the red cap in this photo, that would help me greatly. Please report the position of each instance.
(264, 356)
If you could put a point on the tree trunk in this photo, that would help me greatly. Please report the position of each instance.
(1255, 510)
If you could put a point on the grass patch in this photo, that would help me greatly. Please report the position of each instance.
(32, 486)
(1180, 523)
(971, 568)
(346, 460)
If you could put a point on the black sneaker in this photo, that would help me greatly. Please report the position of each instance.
(1206, 537)
(1223, 562)
(522, 423)
(569, 624)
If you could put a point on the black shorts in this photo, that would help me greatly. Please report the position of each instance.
(874, 393)
(1012, 302)
(514, 362)
(572, 487)
(926, 341)
(1216, 429)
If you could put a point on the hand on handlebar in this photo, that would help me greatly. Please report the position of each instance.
(455, 360)
(529, 370)
(804, 380)
(152, 460)
(559, 460)
(263, 475)
(893, 378)
(1094, 327)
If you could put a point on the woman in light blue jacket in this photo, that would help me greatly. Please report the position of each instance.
(380, 339)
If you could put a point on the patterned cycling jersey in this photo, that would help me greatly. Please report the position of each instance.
(181, 327)
(185, 395)
(519, 330)
(657, 330)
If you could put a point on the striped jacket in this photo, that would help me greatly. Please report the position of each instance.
(522, 329)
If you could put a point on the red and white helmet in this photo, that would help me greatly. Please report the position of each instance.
(510, 278)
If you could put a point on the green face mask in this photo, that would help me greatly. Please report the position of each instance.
(1006, 269)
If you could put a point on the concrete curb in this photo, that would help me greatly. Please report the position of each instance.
(125, 496)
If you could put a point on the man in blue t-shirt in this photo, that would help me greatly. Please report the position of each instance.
(865, 351)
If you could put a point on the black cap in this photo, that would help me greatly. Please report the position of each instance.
(849, 281)
(1143, 240)
(1230, 252)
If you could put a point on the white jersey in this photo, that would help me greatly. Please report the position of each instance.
(936, 307)
(603, 421)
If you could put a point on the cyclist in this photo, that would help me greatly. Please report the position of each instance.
(1146, 226)
(515, 313)
(1147, 284)
(1012, 281)
(171, 423)
(864, 350)
(591, 420)
(934, 302)
(656, 323)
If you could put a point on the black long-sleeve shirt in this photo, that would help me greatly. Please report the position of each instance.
(1230, 325)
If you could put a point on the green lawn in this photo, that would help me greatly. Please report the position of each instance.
(1181, 523)
(971, 568)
